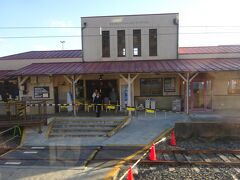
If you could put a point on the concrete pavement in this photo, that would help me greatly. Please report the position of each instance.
(141, 130)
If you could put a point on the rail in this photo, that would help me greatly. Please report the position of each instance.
(16, 133)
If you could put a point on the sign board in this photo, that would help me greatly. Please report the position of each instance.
(41, 92)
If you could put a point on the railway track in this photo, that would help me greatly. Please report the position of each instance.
(196, 157)
(187, 164)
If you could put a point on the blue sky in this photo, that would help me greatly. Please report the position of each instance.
(67, 13)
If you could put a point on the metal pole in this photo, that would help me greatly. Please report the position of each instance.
(129, 94)
(187, 93)
(20, 92)
(74, 95)
(129, 91)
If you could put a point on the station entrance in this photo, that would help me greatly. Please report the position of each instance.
(108, 90)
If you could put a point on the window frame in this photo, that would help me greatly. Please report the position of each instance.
(234, 91)
(153, 42)
(121, 43)
(137, 42)
(105, 50)
(167, 87)
(151, 94)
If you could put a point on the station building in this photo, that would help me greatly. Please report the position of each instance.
(137, 58)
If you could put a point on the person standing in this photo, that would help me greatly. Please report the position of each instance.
(94, 95)
(98, 102)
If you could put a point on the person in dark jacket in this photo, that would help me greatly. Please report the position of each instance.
(98, 102)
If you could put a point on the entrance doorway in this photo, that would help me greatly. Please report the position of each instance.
(201, 95)
(107, 88)
(56, 99)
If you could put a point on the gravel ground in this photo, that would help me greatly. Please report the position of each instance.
(185, 172)
(151, 172)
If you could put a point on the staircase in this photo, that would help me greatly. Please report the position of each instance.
(85, 126)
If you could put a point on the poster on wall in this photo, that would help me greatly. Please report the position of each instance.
(41, 92)
(170, 84)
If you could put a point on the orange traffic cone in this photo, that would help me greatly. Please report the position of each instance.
(152, 155)
(130, 174)
(173, 139)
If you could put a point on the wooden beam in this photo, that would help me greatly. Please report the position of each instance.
(21, 81)
(129, 90)
(187, 92)
(74, 95)
(78, 78)
(134, 78)
(193, 76)
(125, 79)
(182, 77)
(68, 79)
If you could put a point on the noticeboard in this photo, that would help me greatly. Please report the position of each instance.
(41, 92)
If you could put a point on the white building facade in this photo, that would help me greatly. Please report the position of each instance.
(133, 37)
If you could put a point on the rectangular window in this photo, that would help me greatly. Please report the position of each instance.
(105, 44)
(121, 43)
(170, 84)
(137, 42)
(234, 86)
(152, 42)
(151, 87)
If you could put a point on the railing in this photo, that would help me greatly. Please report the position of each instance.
(17, 133)
(21, 111)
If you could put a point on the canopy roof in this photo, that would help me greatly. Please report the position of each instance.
(4, 74)
(44, 55)
(141, 66)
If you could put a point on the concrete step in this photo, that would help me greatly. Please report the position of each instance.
(77, 134)
(87, 123)
(84, 125)
(54, 129)
(89, 118)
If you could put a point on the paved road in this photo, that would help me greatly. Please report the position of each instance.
(39, 162)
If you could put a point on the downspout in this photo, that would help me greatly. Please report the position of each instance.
(83, 27)
(176, 22)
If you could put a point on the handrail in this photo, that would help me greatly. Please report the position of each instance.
(8, 140)
(7, 130)
(15, 135)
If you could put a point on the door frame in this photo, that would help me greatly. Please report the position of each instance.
(56, 98)
(205, 98)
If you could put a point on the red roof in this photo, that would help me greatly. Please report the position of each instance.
(78, 53)
(45, 55)
(210, 49)
(4, 74)
(143, 66)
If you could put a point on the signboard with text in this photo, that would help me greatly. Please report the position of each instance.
(41, 92)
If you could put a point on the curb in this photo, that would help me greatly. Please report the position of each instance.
(121, 125)
(91, 156)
